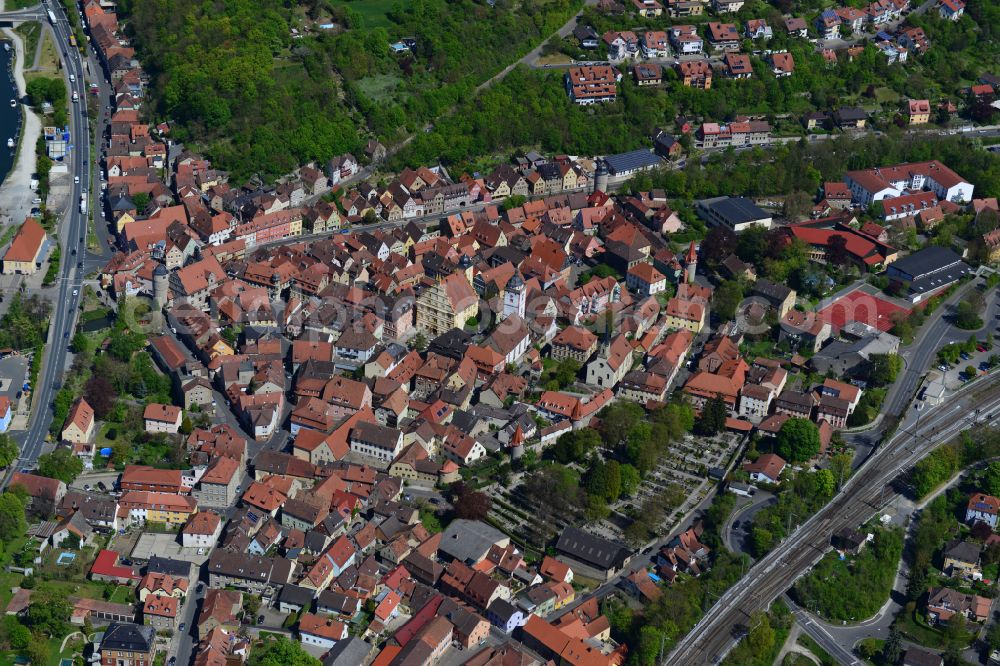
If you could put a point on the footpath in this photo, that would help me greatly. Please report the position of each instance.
(16, 194)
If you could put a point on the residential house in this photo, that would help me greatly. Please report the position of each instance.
(962, 559)
(44, 493)
(127, 644)
(943, 603)
(79, 426)
(162, 418)
(766, 469)
(951, 10)
(982, 508)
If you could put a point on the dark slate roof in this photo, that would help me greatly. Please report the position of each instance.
(296, 596)
(349, 652)
(165, 565)
(590, 549)
(962, 551)
(737, 210)
(502, 609)
(451, 343)
(634, 159)
(928, 260)
(917, 657)
(851, 113)
(127, 636)
(771, 290)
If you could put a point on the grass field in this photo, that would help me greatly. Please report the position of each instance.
(381, 88)
(30, 32)
(374, 12)
(48, 61)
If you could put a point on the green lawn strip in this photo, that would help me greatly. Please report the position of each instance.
(806, 641)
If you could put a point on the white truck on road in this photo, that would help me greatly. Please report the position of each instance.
(83, 203)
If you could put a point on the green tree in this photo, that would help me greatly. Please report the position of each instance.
(892, 650)
(251, 605)
(12, 521)
(49, 613)
(713, 417)
(575, 446)
(934, 469)
(37, 650)
(630, 480)
(566, 372)
(884, 368)
(825, 482)
(17, 635)
(80, 343)
(60, 464)
(956, 634)
(650, 643)
(798, 440)
(280, 651)
(990, 482)
(141, 200)
(727, 298)
(967, 317)
(840, 466)
(763, 540)
(761, 636)
(8, 450)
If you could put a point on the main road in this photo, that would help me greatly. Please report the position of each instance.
(867, 492)
(72, 238)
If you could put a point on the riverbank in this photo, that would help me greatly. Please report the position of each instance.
(16, 194)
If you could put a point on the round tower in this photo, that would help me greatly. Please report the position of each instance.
(601, 177)
(161, 285)
(517, 443)
(691, 262)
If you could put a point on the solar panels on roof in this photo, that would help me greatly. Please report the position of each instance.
(631, 161)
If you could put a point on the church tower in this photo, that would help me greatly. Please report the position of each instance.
(514, 297)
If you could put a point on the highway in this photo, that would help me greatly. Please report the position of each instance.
(72, 239)
(863, 496)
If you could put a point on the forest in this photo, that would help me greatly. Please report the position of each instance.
(257, 100)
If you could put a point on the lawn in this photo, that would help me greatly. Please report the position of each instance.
(382, 88)
(886, 96)
(806, 641)
(123, 594)
(374, 12)
(916, 629)
(30, 32)
(47, 63)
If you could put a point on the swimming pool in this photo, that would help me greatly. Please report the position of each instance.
(65, 559)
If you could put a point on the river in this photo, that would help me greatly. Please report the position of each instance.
(10, 118)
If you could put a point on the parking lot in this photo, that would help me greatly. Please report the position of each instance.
(956, 374)
(13, 370)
